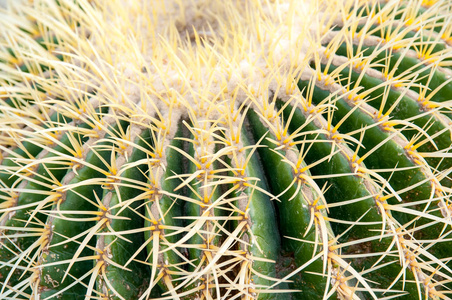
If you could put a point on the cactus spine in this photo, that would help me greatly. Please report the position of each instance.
(225, 149)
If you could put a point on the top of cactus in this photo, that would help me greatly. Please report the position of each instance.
(196, 53)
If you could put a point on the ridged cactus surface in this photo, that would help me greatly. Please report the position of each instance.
(225, 149)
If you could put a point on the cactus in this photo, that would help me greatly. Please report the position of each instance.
(225, 149)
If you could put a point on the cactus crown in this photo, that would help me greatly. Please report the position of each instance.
(225, 149)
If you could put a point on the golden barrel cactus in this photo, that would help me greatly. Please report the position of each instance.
(225, 149)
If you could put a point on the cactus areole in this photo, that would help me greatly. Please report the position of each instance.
(225, 149)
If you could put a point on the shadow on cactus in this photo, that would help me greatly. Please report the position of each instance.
(225, 149)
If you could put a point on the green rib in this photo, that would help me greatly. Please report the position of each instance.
(63, 229)
(128, 283)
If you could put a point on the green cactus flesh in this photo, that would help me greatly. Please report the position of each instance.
(225, 149)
